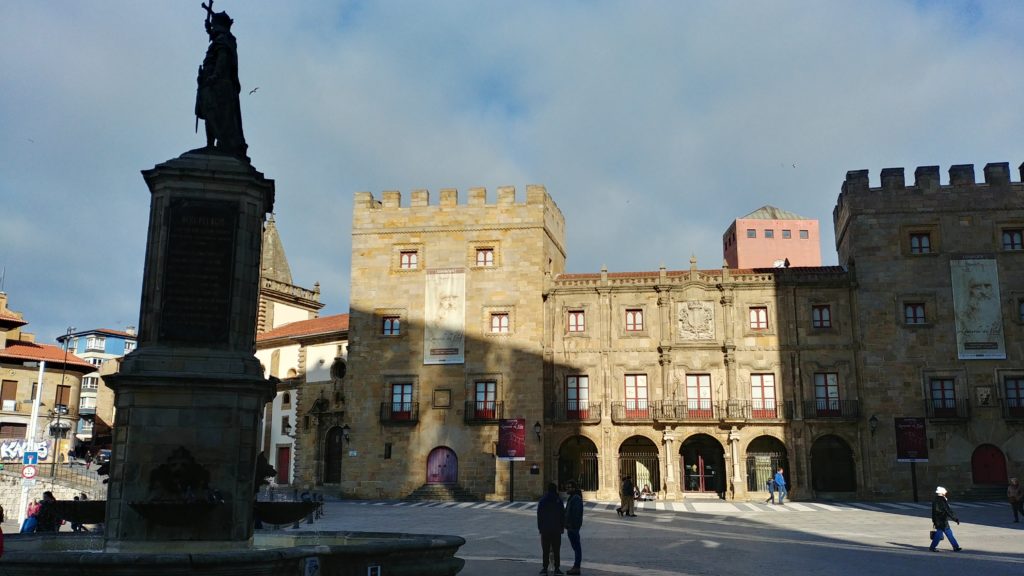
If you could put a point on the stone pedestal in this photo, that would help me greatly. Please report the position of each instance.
(189, 399)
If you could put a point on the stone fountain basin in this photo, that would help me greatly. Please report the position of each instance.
(338, 554)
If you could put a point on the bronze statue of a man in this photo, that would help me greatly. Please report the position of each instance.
(217, 94)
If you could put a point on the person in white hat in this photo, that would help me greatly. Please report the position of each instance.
(941, 515)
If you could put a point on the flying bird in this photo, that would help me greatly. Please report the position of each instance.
(253, 91)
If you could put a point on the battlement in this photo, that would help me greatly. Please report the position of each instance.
(449, 198)
(927, 178)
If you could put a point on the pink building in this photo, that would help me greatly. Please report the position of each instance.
(770, 237)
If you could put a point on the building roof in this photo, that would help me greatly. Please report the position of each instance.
(772, 213)
(10, 319)
(710, 272)
(274, 263)
(21, 351)
(106, 331)
(307, 328)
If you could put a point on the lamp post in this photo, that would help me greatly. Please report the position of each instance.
(57, 406)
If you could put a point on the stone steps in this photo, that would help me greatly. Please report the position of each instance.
(442, 493)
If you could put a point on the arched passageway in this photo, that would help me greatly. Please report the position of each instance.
(702, 460)
(765, 455)
(832, 466)
(577, 460)
(638, 458)
(988, 465)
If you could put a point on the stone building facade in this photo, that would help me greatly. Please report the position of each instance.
(694, 382)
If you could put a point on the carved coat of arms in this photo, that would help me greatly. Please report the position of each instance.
(696, 320)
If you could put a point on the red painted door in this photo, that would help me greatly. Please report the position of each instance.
(442, 466)
(283, 464)
(988, 465)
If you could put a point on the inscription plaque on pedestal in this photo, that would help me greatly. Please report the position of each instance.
(198, 267)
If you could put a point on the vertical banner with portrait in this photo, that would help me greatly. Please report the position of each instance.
(444, 317)
(911, 440)
(976, 307)
(512, 439)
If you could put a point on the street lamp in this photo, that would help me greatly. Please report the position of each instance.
(56, 404)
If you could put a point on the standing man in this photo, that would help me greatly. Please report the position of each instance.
(217, 93)
(573, 523)
(941, 515)
(780, 484)
(550, 522)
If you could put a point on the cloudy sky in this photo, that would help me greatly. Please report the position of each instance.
(652, 124)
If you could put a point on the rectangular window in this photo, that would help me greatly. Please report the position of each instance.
(920, 243)
(401, 401)
(769, 233)
(90, 383)
(62, 399)
(787, 234)
(408, 259)
(391, 326)
(636, 396)
(95, 361)
(577, 321)
(1013, 239)
(698, 396)
(758, 318)
(804, 235)
(577, 397)
(762, 395)
(87, 402)
(913, 313)
(9, 395)
(943, 397)
(1014, 394)
(485, 256)
(751, 233)
(821, 316)
(486, 400)
(634, 320)
(129, 345)
(387, 450)
(826, 394)
(95, 343)
(499, 323)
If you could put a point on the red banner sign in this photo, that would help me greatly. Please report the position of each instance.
(911, 440)
(512, 439)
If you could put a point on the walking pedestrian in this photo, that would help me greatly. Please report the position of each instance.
(77, 526)
(770, 485)
(780, 485)
(941, 515)
(1015, 495)
(550, 523)
(573, 523)
(627, 497)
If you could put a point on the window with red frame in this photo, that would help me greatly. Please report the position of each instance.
(408, 259)
(698, 395)
(401, 401)
(913, 313)
(826, 394)
(943, 397)
(485, 256)
(821, 316)
(634, 320)
(758, 318)
(486, 400)
(762, 396)
(1014, 395)
(577, 397)
(391, 326)
(577, 321)
(499, 323)
(636, 396)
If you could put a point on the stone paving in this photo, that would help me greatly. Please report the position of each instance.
(708, 537)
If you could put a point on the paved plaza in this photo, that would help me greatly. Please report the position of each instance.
(708, 537)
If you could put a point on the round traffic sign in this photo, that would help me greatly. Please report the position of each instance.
(28, 472)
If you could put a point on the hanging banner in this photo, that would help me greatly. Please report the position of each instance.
(911, 440)
(979, 318)
(444, 317)
(512, 439)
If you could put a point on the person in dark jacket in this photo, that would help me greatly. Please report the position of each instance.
(47, 518)
(550, 523)
(941, 515)
(573, 523)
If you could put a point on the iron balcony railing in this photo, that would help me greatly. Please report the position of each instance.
(1013, 408)
(947, 408)
(483, 412)
(757, 409)
(832, 409)
(399, 412)
(575, 411)
(703, 410)
(632, 411)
